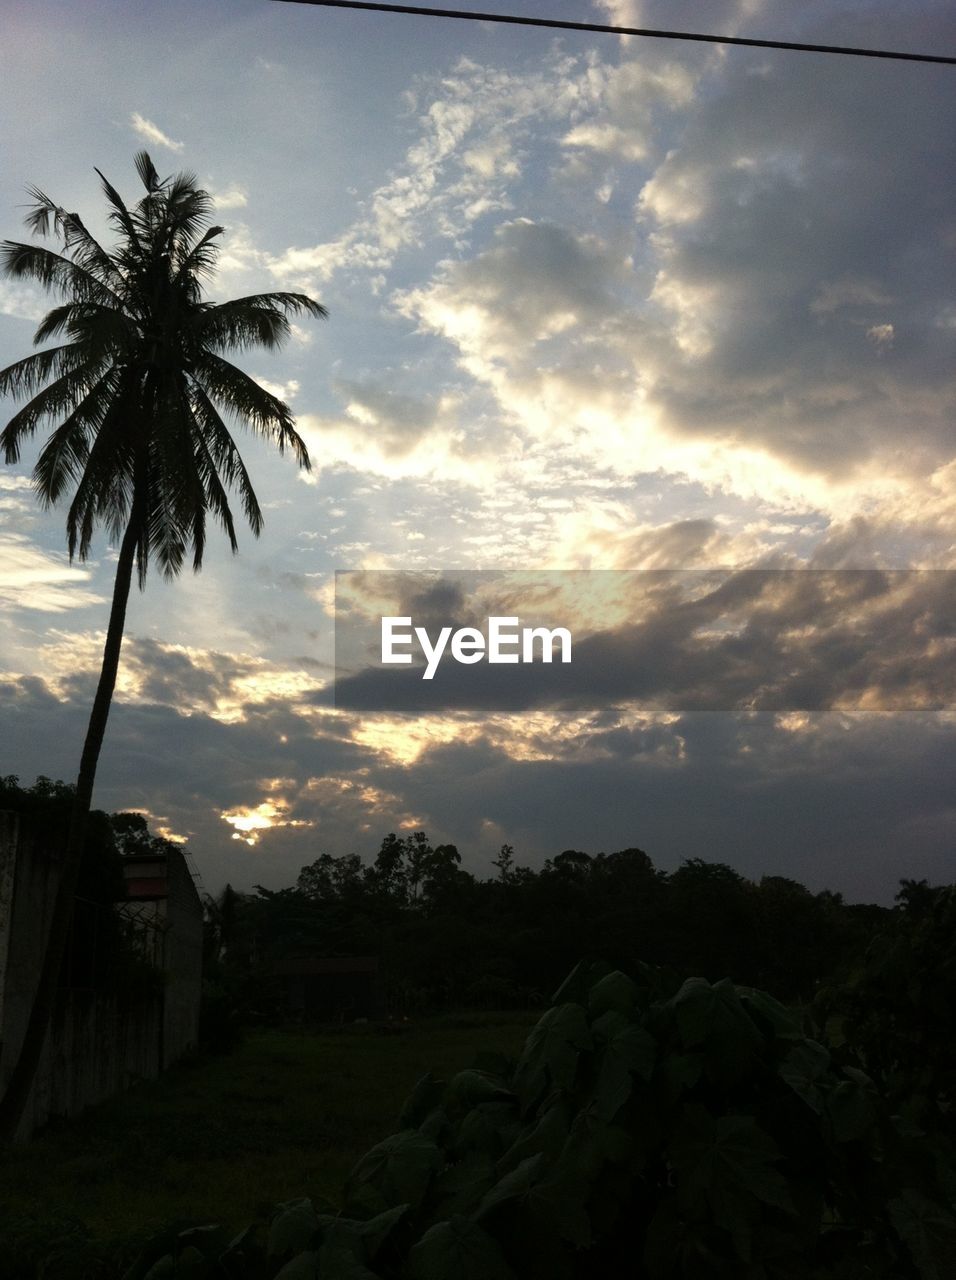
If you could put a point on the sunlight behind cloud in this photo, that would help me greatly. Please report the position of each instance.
(251, 823)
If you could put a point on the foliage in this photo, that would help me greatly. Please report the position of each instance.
(224, 1137)
(44, 809)
(134, 395)
(642, 1132)
(898, 1008)
(102, 952)
(135, 391)
(446, 939)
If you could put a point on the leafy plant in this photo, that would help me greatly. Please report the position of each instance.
(642, 1132)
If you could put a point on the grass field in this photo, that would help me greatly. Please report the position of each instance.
(224, 1139)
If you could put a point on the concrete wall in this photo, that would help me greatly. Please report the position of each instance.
(100, 1040)
(183, 960)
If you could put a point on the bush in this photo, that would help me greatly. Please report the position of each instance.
(642, 1133)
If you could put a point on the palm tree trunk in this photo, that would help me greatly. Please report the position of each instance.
(20, 1083)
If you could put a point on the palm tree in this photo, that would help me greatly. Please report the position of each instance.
(134, 395)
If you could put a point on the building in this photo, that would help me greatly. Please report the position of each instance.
(113, 1023)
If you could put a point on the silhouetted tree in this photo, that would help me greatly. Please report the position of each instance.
(138, 439)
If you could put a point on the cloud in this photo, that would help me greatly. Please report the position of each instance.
(31, 578)
(285, 391)
(756, 640)
(21, 302)
(152, 132)
(770, 325)
(233, 198)
(536, 281)
(386, 432)
(469, 152)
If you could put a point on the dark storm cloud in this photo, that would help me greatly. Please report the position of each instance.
(850, 806)
(849, 803)
(804, 222)
(760, 639)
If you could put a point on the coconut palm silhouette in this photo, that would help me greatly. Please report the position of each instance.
(135, 396)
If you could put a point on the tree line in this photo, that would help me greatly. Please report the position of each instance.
(447, 938)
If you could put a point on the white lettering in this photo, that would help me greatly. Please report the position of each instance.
(529, 634)
(432, 655)
(389, 639)
(468, 644)
(496, 640)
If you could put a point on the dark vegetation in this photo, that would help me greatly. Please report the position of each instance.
(449, 940)
(666, 1117)
(101, 952)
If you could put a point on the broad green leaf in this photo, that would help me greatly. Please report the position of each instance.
(421, 1102)
(547, 1137)
(579, 982)
(557, 1202)
(458, 1249)
(593, 1144)
(725, 1159)
(850, 1111)
(614, 991)
(336, 1263)
(164, 1267)
(703, 1010)
(551, 1052)
(929, 1232)
(293, 1228)
(802, 1068)
(376, 1231)
(437, 1128)
(676, 1073)
(304, 1266)
(469, 1088)
(490, 1128)
(398, 1171)
(625, 1050)
(515, 1185)
(768, 1012)
(494, 1064)
(461, 1187)
(363, 1238)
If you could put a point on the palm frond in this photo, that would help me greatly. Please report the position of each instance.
(105, 489)
(120, 215)
(54, 271)
(89, 324)
(214, 492)
(28, 375)
(226, 456)
(244, 397)
(64, 455)
(260, 319)
(58, 397)
(83, 248)
(147, 171)
(199, 259)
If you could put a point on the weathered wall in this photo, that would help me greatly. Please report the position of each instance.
(32, 871)
(183, 961)
(99, 1040)
(8, 860)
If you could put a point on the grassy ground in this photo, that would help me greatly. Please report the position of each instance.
(225, 1139)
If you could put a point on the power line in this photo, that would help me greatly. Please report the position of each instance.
(604, 29)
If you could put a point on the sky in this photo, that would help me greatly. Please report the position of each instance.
(655, 336)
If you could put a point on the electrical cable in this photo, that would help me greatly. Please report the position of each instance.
(605, 29)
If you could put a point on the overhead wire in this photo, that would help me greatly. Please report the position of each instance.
(601, 28)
